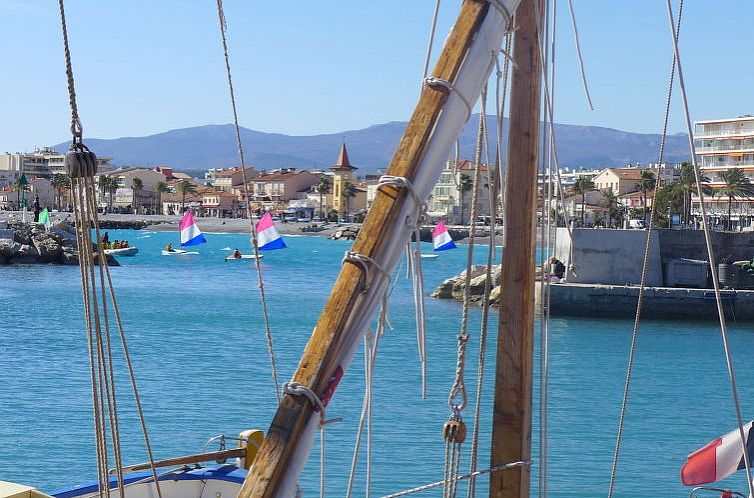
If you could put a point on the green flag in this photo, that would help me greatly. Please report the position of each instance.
(44, 217)
(22, 181)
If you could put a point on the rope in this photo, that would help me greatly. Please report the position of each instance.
(485, 312)
(644, 267)
(710, 251)
(578, 53)
(431, 40)
(81, 165)
(434, 82)
(414, 270)
(252, 229)
(478, 473)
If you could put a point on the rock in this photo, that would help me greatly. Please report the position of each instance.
(27, 254)
(48, 248)
(495, 296)
(453, 288)
(8, 249)
(445, 289)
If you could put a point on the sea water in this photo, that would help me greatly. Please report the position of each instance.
(196, 333)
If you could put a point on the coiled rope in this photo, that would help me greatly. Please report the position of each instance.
(252, 229)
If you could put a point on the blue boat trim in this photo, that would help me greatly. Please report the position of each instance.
(229, 473)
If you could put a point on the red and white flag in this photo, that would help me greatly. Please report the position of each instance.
(719, 459)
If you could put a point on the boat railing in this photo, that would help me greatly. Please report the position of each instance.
(721, 492)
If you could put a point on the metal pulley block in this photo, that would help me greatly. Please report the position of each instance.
(454, 431)
(80, 163)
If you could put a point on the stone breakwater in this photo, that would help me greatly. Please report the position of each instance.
(30, 243)
(453, 288)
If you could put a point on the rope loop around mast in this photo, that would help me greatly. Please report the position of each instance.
(507, 16)
(434, 82)
(298, 389)
(364, 263)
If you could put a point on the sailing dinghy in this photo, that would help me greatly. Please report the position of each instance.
(190, 236)
(441, 240)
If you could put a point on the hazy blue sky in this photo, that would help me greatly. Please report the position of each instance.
(146, 66)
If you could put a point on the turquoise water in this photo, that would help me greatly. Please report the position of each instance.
(195, 330)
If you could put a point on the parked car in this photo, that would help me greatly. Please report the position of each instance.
(289, 217)
(637, 224)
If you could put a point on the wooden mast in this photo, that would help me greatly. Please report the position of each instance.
(316, 369)
(511, 431)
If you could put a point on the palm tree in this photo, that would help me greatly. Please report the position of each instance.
(737, 184)
(582, 186)
(687, 182)
(162, 188)
(136, 185)
(60, 182)
(108, 185)
(610, 201)
(323, 187)
(349, 190)
(465, 183)
(645, 184)
(185, 187)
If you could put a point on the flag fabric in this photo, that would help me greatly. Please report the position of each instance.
(22, 181)
(190, 233)
(268, 237)
(441, 238)
(718, 459)
(44, 217)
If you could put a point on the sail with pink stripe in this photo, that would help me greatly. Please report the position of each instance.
(441, 238)
(267, 236)
(190, 233)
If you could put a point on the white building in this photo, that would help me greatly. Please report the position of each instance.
(450, 202)
(722, 145)
(43, 162)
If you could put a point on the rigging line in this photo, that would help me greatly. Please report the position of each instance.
(76, 128)
(645, 264)
(710, 251)
(431, 41)
(578, 53)
(551, 242)
(471, 492)
(544, 285)
(252, 228)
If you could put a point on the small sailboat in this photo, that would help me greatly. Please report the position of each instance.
(268, 236)
(190, 236)
(441, 240)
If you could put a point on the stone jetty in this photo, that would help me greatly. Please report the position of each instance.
(31, 243)
(452, 288)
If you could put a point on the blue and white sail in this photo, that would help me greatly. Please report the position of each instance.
(267, 236)
(441, 239)
(190, 233)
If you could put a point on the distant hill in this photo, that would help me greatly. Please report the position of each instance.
(371, 148)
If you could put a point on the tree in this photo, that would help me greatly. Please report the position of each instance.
(60, 182)
(162, 188)
(645, 184)
(582, 186)
(736, 184)
(108, 185)
(323, 187)
(465, 183)
(687, 184)
(614, 210)
(136, 185)
(349, 190)
(669, 199)
(185, 187)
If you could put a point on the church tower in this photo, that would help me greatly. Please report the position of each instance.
(343, 174)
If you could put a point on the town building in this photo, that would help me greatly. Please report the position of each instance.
(274, 189)
(225, 179)
(344, 176)
(722, 145)
(43, 162)
(620, 180)
(452, 194)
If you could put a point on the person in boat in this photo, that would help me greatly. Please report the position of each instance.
(123, 244)
(116, 244)
(106, 239)
(236, 254)
(169, 247)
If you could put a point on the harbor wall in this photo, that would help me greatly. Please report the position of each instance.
(602, 256)
(659, 302)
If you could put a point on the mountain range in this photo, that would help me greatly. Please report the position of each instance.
(198, 148)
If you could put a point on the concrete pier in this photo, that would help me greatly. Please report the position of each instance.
(599, 300)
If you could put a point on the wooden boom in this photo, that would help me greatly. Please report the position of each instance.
(187, 459)
(318, 368)
(511, 421)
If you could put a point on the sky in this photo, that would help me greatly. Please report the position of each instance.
(325, 66)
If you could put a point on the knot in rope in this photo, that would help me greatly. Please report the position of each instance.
(298, 389)
(434, 82)
(399, 181)
(364, 263)
(459, 386)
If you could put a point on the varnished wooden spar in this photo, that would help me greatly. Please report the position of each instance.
(511, 431)
(317, 367)
(188, 459)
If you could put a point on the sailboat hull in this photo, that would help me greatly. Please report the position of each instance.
(207, 482)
